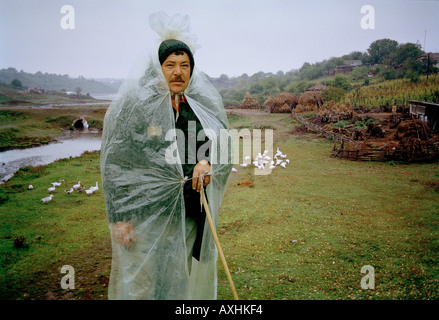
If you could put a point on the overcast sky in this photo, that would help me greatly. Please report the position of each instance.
(236, 36)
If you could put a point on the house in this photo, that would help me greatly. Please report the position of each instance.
(434, 58)
(317, 87)
(36, 90)
(354, 63)
(340, 69)
(426, 111)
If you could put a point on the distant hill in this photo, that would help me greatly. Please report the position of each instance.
(111, 82)
(57, 82)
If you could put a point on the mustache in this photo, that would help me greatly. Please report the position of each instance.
(177, 78)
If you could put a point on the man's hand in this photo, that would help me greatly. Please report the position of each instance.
(123, 232)
(200, 168)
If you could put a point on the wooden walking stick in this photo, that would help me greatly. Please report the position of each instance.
(215, 237)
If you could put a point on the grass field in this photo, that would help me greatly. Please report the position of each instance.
(27, 127)
(302, 233)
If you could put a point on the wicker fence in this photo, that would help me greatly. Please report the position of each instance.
(430, 154)
(326, 133)
(347, 148)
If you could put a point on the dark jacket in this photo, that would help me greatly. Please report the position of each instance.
(191, 197)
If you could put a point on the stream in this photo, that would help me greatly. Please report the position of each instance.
(73, 146)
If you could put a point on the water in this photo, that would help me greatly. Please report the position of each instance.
(12, 160)
(104, 96)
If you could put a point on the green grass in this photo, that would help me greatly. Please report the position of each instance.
(70, 230)
(31, 127)
(303, 232)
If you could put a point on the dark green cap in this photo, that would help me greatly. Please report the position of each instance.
(167, 47)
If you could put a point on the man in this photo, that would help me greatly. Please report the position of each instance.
(161, 248)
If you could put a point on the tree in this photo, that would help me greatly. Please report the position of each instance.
(388, 74)
(380, 50)
(360, 72)
(256, 88)
(334, 94)
(78, 90)
(341, 81)
(404, 52)
(224, 77)
(16, 83)
(412, 68)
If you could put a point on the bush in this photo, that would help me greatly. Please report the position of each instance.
(97, 124)
(333, 94)
(341, 81)
(62, 121)
(16, 83)
(388, 74)
(340, 124)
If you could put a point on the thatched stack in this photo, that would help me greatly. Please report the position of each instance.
(333, 108)
(284, 109)
(277, 105)
(249, 102)
(286, 98)
(412, 128)
(309, 101)
(268, 104)
(410, 144)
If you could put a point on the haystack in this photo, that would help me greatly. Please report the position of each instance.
(286, 98)
(284, 109)
(268, 104)
(249, 102)
(410, 144)
(412, 128)
(335, 109)
(309, 101)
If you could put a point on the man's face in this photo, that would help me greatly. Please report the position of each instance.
(177, 71)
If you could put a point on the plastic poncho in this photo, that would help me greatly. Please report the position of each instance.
(142, 184)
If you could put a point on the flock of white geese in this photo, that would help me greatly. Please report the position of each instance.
(263, 161)
(260, 162)
(78, 187)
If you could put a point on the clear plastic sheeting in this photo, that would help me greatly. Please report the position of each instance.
(141, 186)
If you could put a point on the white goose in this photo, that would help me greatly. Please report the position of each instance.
(95, 188)
(76, 186)
(51, 189)
(56, 184)
(69, 191)
(278, 153)
(47, 199)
